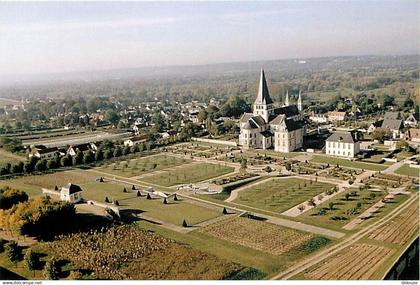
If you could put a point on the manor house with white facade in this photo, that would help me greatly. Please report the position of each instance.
(269, 127)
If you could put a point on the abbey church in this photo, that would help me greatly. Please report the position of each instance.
(269, 127)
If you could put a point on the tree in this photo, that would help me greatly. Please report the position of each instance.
(408, 103)
(138, 194)
(224, 211)
(2, 244)
(347, 196)
(108, 153)
(41, 165)
(116, 203)
(18, 168)
(13, 251)
(51, 164)
(31, 259)
(311, 202)
(381, 134)
(99, 155)
(243, 163)
(112, 116)
(388, 101)
(117, 151)
(202, 115)
(158, 122)
(301, 208)
(288, 166)
(235, 106)
(184, 224)
(10, 197)
(331, 206)
(66, 161)
(402, 145)
(106, 200)
(51, 270)
(88, 157)
(126, 150)
(78, 158)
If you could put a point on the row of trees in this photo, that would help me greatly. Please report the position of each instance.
(39, 217)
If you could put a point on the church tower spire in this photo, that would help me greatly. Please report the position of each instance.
(263, 105)
(286, 101)
(299, 102)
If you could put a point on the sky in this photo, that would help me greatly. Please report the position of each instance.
(56, 37)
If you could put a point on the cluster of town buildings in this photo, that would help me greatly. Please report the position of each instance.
(284, 128)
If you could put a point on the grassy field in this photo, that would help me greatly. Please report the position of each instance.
(348, 163)
(280, 194)
(407, 170)
(190, 173)
(174, 212)
(135, 167)
(342, 211)
(33, 184)
(8, 157)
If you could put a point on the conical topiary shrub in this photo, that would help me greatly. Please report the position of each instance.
(224, 211)
(175, 198)
(184, 224)
(133, 187)
(148, 196)
(164, 201)
(106, 200)
(56, 188)
(125, 190)
(101, 179)
(116, 203)
(138, 194)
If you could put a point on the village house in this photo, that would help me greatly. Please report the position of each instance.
(393, 122)
(45, 153)
(343, 144)
(71, 193)
(319, 118)
(335, 116)
(412, 120)
(413, 135)
(282, 128)
(135, 140)
(373, 126)
(72, 150)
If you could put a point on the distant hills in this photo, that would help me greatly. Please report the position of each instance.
(284, 66)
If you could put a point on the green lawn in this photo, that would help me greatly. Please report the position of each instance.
(32, 184)
(135, 167)
(190, 173)
(407, 170)
(174, 212)
(342, 208)
(347, 163)
(8, 157)
(279, 195)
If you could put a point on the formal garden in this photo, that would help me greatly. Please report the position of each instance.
(280, 194)
(140, 166)
(190, 173)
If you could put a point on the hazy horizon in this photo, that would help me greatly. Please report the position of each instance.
(49, 38)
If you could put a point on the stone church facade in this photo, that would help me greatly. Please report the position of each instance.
(269, 127)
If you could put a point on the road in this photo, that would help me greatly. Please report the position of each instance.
(395, 166)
